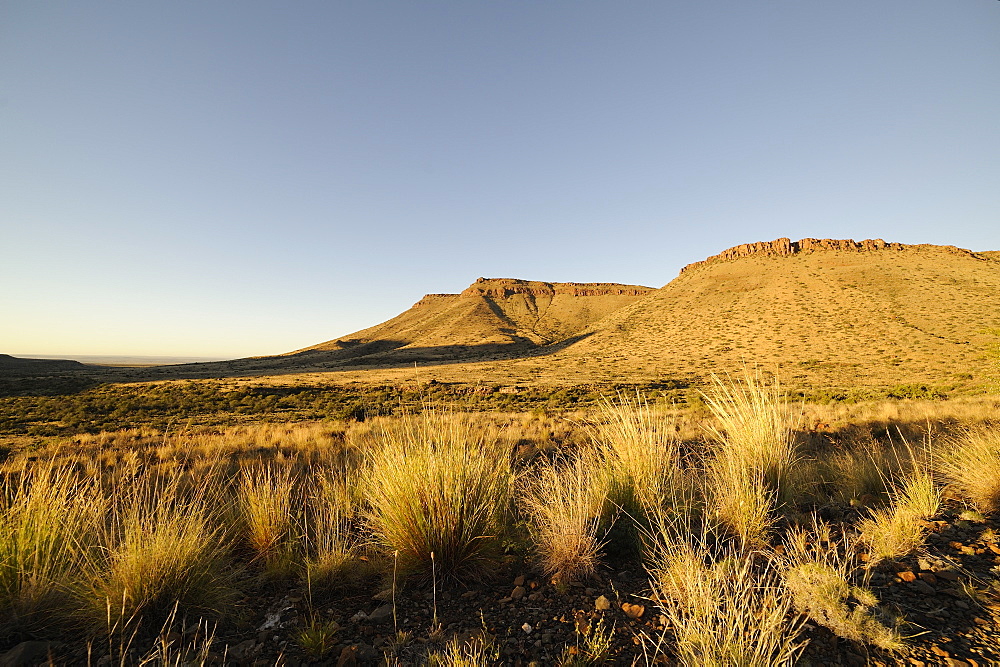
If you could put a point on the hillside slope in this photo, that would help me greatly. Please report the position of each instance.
(825, 311)
(491, 315)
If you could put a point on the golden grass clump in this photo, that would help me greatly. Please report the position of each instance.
(479, 651)
(749, 466)
(162, 550)
(438, 484)
(640, 447)
(565, 502)
(897, 530)
(266, 516)
(48, 517)
(725, 606)
(818, 571)
(971, 462)
(331, 543)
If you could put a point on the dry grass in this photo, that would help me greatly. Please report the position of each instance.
(161, 548)
(971, 462)
(749, 468)
(897, 530)
(48, 517)
(565, 502)
(725, 606)
(818, 571)
(266, 516)
(132, 526)
(437, 484)
(639, 445)
(331, 544)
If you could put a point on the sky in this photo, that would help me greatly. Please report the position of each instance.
(226, 179)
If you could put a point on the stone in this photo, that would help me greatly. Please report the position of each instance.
(947, 575)
(243, 650)
(28, 653)
(602, 604)
(937, 650)
(382, 613)
(928, 577)
(923, 587)
(907, 576)
(519, 580)
(527, 628)
(633, 611)
(518, 592)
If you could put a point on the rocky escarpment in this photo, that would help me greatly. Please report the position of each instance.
(785, 246)
(505, 287)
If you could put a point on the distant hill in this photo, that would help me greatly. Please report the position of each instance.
(491, 315)
(818, 310)
(22, 365)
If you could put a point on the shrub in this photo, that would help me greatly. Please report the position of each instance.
(438, 485)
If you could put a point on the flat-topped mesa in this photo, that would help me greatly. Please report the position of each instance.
(504, 287)
(785, 246)
(428, 299)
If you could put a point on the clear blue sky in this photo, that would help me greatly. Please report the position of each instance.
(240, 178)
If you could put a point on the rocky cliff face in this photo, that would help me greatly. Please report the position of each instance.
(784, 246)
(504, 287)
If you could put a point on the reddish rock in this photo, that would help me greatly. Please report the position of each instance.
(907, 576)
(633, 611)
(784, 246)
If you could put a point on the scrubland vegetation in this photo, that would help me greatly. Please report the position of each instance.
(756, 518)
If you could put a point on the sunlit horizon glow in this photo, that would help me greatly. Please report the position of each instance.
(214, 180)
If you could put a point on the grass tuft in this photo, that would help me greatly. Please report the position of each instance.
(437, 484)
(971, 462)
(897, 530)
(565, 502)
(818, 571)
(725, 606)
(749, 468)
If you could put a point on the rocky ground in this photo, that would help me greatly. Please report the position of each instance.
(947, 595)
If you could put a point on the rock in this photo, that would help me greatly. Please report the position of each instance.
(348, 657)
(947, 575)
(907, 576)
(928, 577)
(923, 587)
(243, 650)
(28, 653)
(527, 628)
(382, 613)
(633, 611)
(783, 247)
(518, 592)
(519, 580)
(602, 604)
(937, 650)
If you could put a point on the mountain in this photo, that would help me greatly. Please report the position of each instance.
(491, 316)
(819, 312)
(27, 366)
(816, 310)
